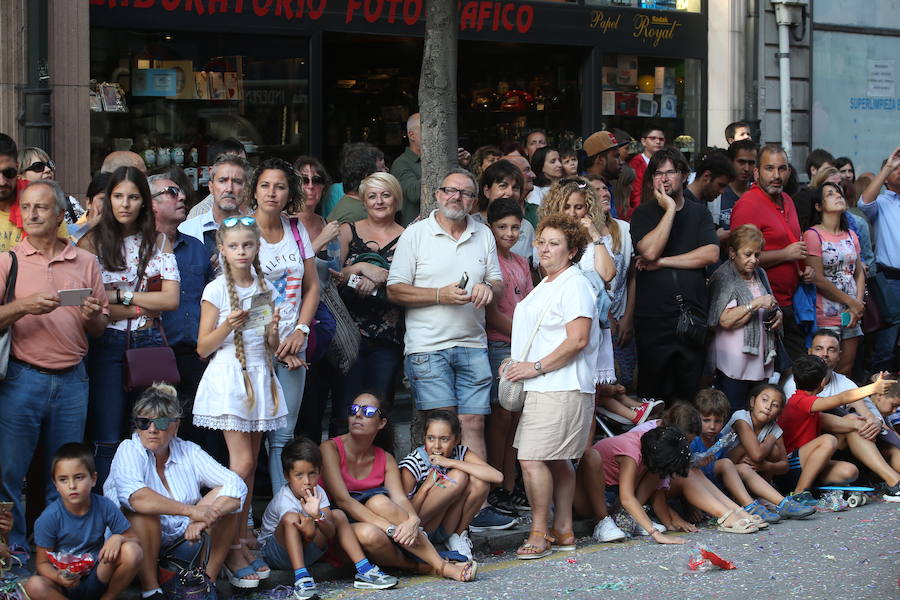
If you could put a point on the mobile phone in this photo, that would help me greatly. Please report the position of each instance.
(6, 507)
(463, 281)
(73, 297)
(845, 319)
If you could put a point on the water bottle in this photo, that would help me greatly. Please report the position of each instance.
(724, 442)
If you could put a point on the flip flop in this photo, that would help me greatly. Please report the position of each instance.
(530, 551)
(564, 546)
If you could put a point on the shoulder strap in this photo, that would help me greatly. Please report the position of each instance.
(296, 231)
(537, 326)
(11, 278)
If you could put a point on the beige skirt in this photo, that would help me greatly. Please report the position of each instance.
(554, 425)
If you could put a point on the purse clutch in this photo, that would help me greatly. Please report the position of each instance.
(146, 366)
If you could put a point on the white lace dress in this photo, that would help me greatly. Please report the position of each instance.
(221, 400)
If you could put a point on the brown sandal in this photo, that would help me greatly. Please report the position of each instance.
(531, 551)
(466, 575)
(566, 540)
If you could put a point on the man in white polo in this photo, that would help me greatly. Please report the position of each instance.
(445, 343)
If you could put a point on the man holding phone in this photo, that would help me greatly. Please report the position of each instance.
(45, 392)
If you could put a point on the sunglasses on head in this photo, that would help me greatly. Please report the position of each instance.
(173, 190)
(161, 423)
(9, 172)
(39, 166)
(578, 182)
(315, 179)
(232, 221)
(367, 411)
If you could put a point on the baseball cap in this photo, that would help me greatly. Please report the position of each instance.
(601, 141)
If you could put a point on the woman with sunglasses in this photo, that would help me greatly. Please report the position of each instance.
(35, 165)
(289, 264)
(157, 478)
(362, 478)
(314, 180)
(141, 278)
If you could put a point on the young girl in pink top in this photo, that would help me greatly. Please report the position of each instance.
(362, 479)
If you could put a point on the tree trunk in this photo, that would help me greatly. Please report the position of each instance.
(437, 98)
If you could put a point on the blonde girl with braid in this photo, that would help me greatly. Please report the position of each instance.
(239, 392)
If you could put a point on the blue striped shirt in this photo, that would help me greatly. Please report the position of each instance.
(187, 470)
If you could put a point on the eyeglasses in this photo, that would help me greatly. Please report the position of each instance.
(9, 172)
(654, 138)
(232, 221)
(161, 423)
(39, 166)
(367, 411)
(315, 180)
(665, 174)
(172, 190)
(452, 191)
(578, 182)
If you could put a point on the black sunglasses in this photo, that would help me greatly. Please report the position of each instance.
(39, 166)
(316, 180)
(9, 172)
(367, 411)
(173, 190)
(578, 182)
(161, 423)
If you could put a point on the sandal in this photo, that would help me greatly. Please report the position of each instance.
(236, 578)
(470, 569)
(742, 526)
(566, 541)
(758, 521)
(530, 551)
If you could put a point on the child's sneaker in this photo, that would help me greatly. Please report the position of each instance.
(607, 531)
(460, 542)
(805, 498)
(641, 413)
(891, 493)
(790, 509)
(501, 500)
(488, 518)
(657, 526)
(756, 508)
(304, 588)
(374, 579)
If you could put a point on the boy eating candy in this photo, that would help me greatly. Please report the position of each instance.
(75, 523)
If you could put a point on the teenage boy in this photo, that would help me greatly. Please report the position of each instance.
(76, 523)
(801, 421)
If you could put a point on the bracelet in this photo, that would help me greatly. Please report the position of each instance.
(488, 283)
(749, 307)
(437, 294)
(321, 516)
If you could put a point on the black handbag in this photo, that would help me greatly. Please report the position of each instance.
(187, 579)
(690, 328)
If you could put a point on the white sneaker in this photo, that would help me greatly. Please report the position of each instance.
(460, 542)
(607, 531)
(657, 526)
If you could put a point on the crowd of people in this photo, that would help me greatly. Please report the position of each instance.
(727, 335)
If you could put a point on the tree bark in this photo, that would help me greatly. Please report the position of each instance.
(437, 98)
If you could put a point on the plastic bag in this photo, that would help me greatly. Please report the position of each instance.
(700, 559)
(72, 566)
(724, 442)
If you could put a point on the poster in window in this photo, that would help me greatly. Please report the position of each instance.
(668, 106)
(217, 89)
(185, 85)
(627, 69)
(153, 82)
(201, 78)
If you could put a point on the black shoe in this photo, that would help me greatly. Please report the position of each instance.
(501, 501)
(520, 500)
(890, 493)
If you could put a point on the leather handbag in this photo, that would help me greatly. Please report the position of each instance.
(187, 579)
(511, 394)
(6, 334)
(149, 365)
(689, 328)
(872, 320)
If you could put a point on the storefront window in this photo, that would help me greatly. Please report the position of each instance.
(682, 5)
(639, 92)
(167, 96)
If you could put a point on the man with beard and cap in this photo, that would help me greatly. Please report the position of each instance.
(767, 206)
(604, 159)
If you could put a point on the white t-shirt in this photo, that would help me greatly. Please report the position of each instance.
(282, 503)
(283, 265)
(743, 415)
(429, 257)
(569, 297)
(536, 195)
(525, 246)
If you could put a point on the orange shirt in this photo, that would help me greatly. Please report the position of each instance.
(55, 340)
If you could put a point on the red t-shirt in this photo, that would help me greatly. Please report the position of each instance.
(798, 421)
(639, 164)
(780, 229)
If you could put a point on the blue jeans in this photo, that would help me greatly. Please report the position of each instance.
(31, 404)
(109, 405)
(292, 383)
(459, 376)
(885, 343)
(375, 370)
(737, 391)
(497, 353)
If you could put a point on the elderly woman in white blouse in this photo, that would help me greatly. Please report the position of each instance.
(156, 478)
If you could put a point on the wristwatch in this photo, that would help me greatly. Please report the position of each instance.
(538, 367)
(390, 531)
(598, 242)
(302, 327)
(488, 283)
(127, 297)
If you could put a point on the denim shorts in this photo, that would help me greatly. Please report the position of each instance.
(89, 588)
(457, 377)
(277, 557)
(845, 333)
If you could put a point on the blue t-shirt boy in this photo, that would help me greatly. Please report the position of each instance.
(709, 470)
(58, 530)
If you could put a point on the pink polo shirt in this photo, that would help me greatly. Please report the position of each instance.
(55, 340)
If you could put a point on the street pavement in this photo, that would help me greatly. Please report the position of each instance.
(853, 554)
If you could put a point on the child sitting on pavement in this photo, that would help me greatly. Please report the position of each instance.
(803, 437)
(76, 523)
(298, 525)
(740, 477)
(619, 406)
(888, 441)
